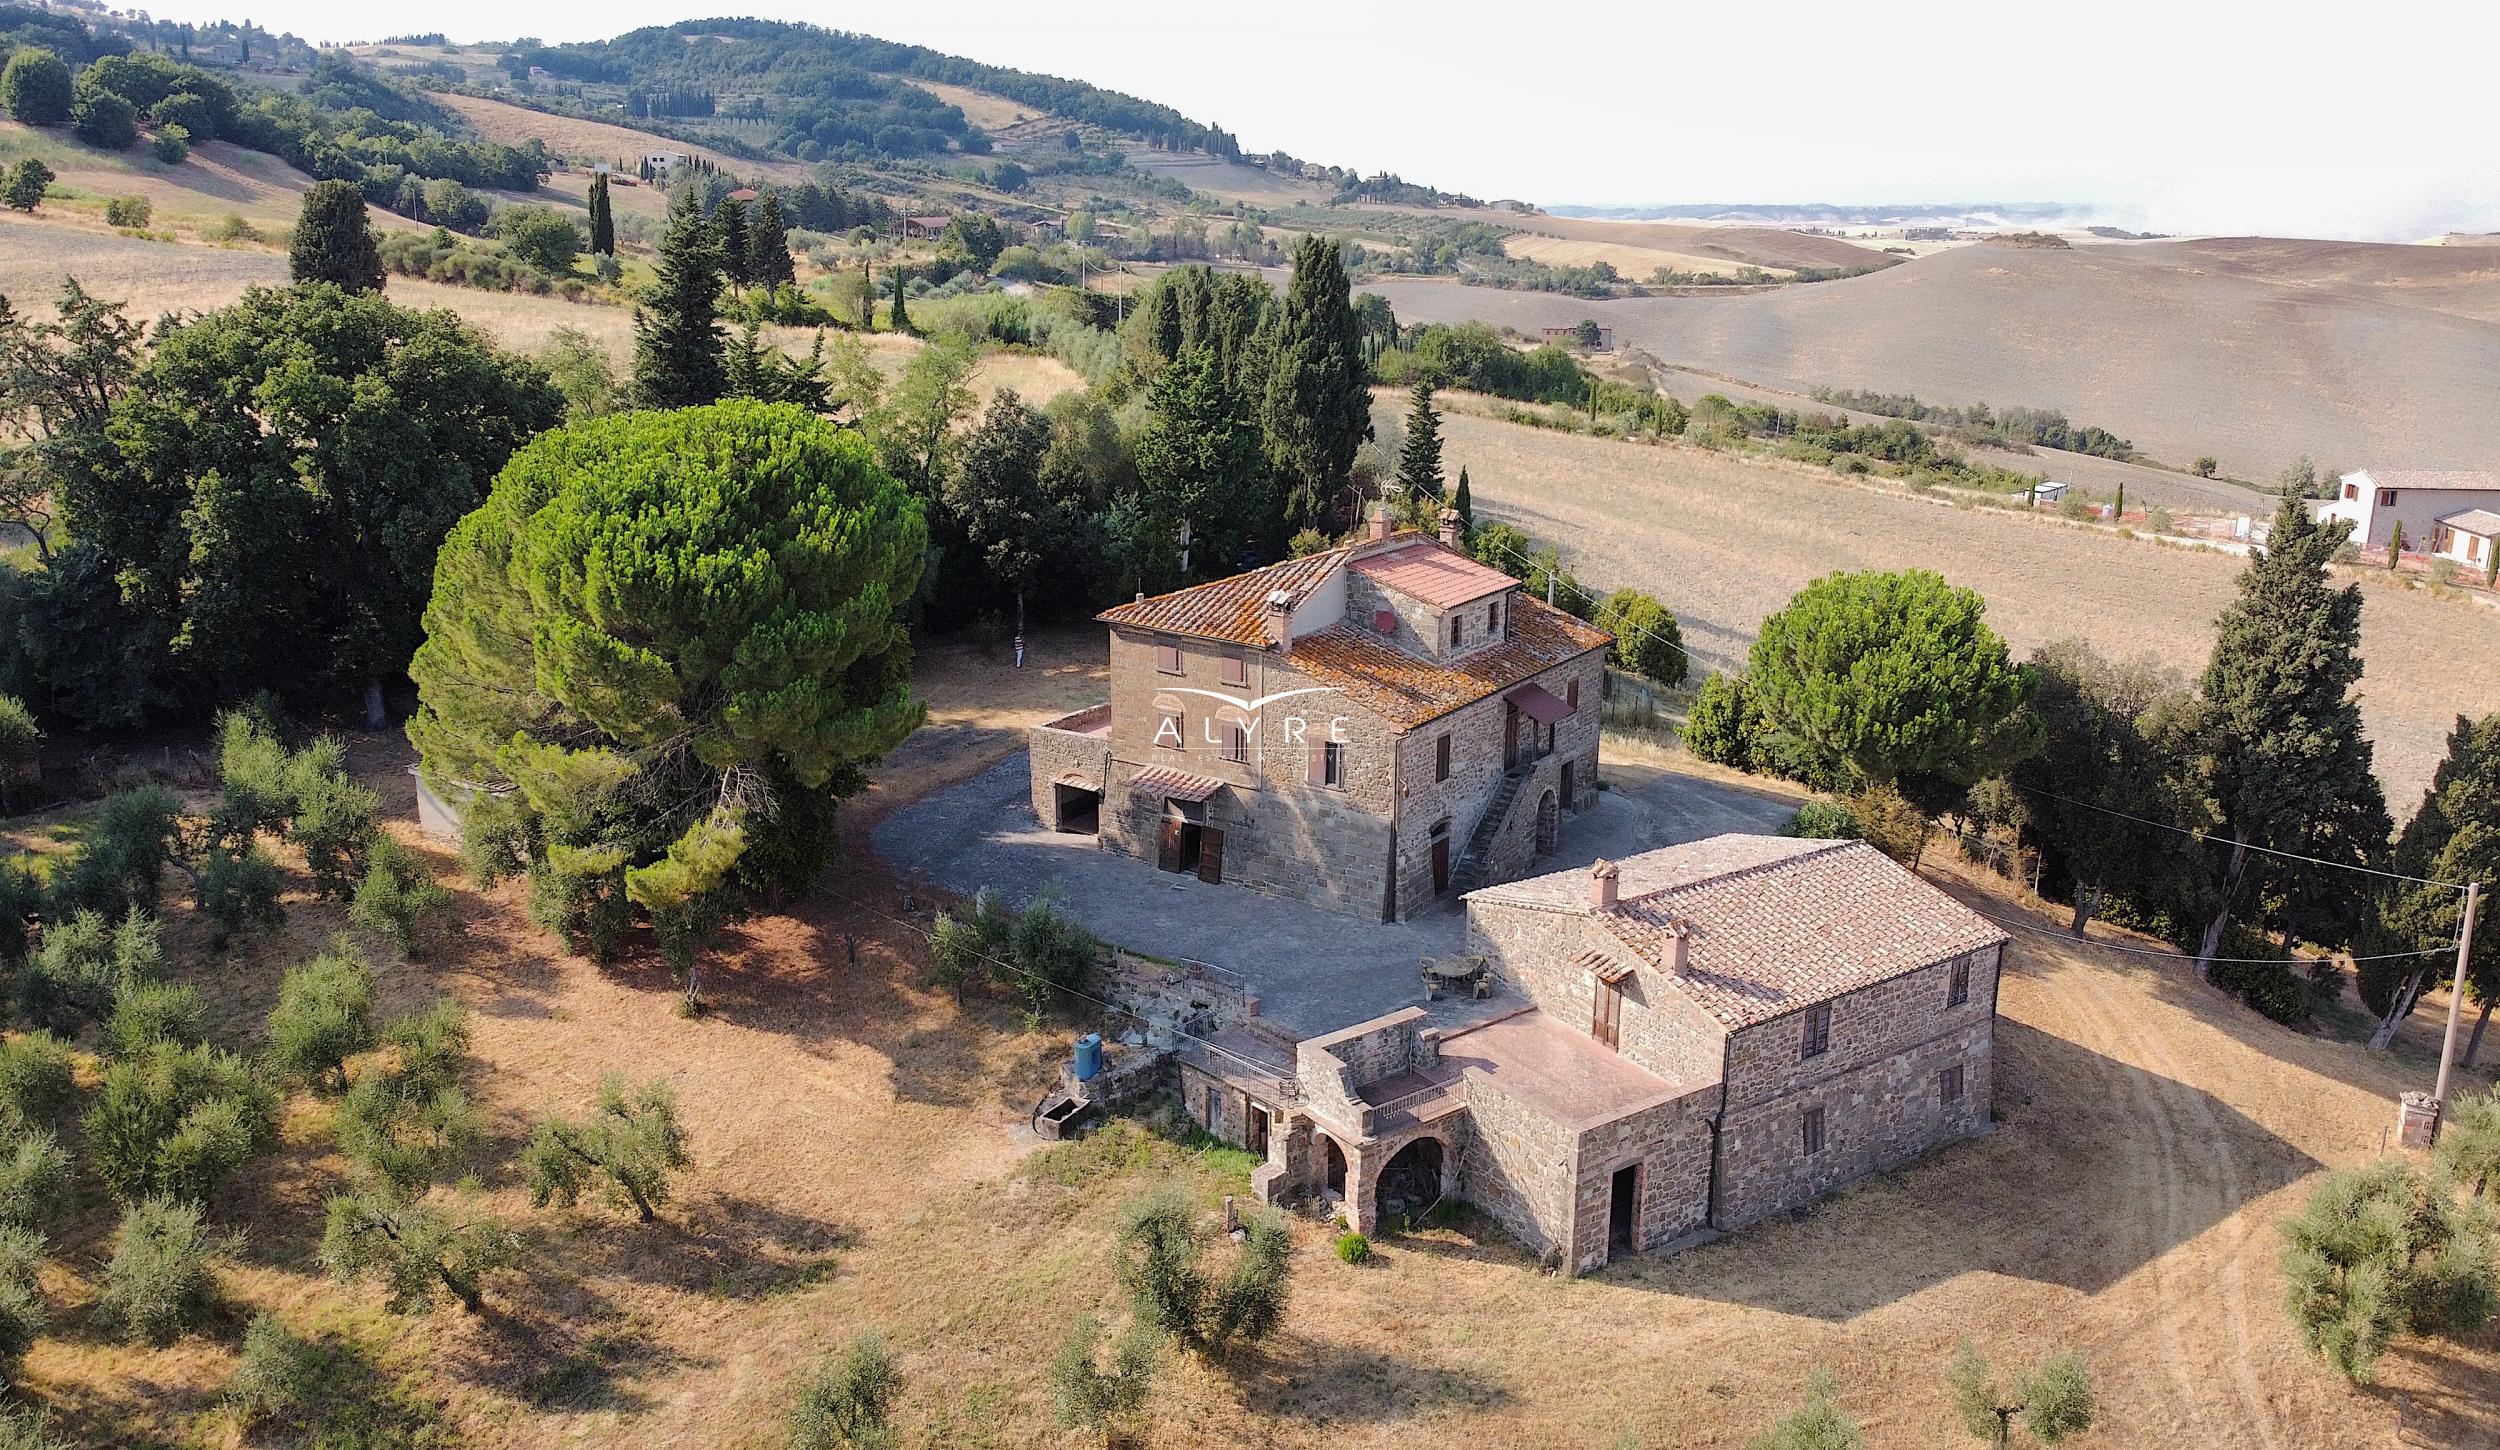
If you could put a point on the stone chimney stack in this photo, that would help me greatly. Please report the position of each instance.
(1603, 879)
(1680, 949)
(1378, 522)
(1278, 617)
(1449, 527)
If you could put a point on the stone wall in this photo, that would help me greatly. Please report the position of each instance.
(1516, 1163)
(1063, 747)
(1331, 1067)
(1659, 1027)
(1669, 1146)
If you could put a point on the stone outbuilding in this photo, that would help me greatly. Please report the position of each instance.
(1376, 728)
(1711, 1033)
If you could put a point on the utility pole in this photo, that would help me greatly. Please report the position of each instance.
(2456, 993)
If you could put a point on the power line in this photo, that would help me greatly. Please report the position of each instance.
(2185, 956)
(2206, 837)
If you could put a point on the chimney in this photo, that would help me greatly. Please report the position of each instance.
(1680, 948)
(1278, 618)
(1378, 522)
(1602, 881)
(1449, 527)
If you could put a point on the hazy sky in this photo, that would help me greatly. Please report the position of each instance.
(2376, 121)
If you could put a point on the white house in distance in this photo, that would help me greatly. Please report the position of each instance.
(2447, 513)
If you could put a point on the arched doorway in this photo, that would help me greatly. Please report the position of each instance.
(1548, 824)
(1412, 1181)
(1335, 1166)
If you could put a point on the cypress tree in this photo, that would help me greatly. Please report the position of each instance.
(332, 242)
(1465, 503)
(677, 337)
(2281, 748)
(1317, 409)
(768, 249)
(731, 222)
(602, 221)
(1419, 460)
(899, 320)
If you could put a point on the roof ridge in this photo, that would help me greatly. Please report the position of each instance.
(1750, 868)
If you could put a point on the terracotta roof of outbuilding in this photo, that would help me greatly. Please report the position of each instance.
(1233, 610)
(2474, 521)
(1777, 923)
(1430, 571)
(1170, 784)
(1408, 689)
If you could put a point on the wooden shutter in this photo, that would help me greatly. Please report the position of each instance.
(1606, 1022)
(1441, 758)
(1168, 858)
(1210, 855)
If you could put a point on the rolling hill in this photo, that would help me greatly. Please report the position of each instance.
(2255, 353)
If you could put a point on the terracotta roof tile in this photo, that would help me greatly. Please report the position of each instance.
(2433, 478)
(1777, 923)
(1407, 689)
(1178, 785)
(1430, 571)
(2475, 521)
(1233, 610)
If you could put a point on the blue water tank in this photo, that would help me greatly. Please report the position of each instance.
(1088, 1056)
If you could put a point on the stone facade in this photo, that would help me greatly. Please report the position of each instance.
(1074, 748)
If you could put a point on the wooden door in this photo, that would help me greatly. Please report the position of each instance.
(1210, 855)
(1257, 1120)
(1440, 864)
(1510, 735)
(1606, 1021)
(1168, 857)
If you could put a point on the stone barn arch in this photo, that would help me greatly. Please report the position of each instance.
(1548, 824)
(1332, 1165)
(1411, 1183)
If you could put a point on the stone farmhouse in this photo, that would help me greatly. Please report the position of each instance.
(1375, 729)
(1712, 1033)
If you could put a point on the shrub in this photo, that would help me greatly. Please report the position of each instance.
(408, 1124)
(1824, 819)
(333, 816)
(2273, 988)
(1648, 642)
(324, 1016)
(279, 1371)
(24, 1427)
(1053, 952)
(1085, 1395)
(128, 211)
(632, 1144)
(80, 967)
(1719, 727)
(416, 1250)
(1818, 1424)
(35, 1076)
(161, 1278)
(178, 1121)
(172, 144)
(36, 87)
(847, 1399)
(100, 118)
(147, 1013)
(1354, 1248)
(1158, 1259)
(238, 890)
(121, 865)
(396, 895)
(497, 837)
(187, 109)
(34, 1168)
(23, 1312)
(22, 186)
(974, 944)
(1891, 823)
(21, 743)
(2469, 1141)
(2380, 1251)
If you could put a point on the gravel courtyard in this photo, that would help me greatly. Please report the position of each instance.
(1314, 970)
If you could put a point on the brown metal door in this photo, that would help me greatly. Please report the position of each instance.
(1210, 854)
(1169, 857)
(1440, 864)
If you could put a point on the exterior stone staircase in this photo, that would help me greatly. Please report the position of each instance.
(1468, 874)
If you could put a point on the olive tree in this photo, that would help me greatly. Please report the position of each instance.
(628, 1145)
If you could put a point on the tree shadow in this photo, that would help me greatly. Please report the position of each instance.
(2096, 1169)
(724, 1245)
(1301, 1380)
(548, 1337)
(2444, 1395)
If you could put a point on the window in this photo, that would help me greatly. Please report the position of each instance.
(2352, 491)
(1458, 630)
(1810, 1132)
(1441, 758)
(1236, 742)
(1606, 1021)
(1167, 659)
(1236, 671)
(1571, 694)
(1818, 1034)
(1169, 732)
(1332, 763)
(1958, 992)
(1493, 618)
(1384, 621)
(2386, 497)
(1949, 1084)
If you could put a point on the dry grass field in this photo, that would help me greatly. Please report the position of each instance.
(2251, 357)
(859, 1165)
(1231, 181)
(568, 136)
(990, 113)
(1723, 541)
(1631, 259)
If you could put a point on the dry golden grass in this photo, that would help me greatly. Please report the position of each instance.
(1725, 540)
(1630, 258)
(990, 113)
(596, 140)
(859, 1165)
